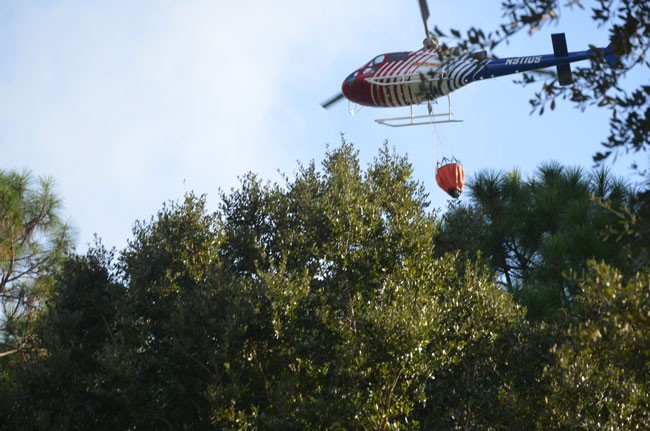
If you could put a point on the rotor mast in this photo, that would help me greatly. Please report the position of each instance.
(429, 41)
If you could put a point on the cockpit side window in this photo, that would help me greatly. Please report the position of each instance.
(398, 56)
(378, 60)
(374, 65)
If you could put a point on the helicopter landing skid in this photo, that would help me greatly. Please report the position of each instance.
(417, 120)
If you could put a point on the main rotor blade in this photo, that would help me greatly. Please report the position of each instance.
(424, 9)
(332, 101)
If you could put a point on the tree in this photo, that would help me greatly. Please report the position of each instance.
(326, 303)
(63, 381)
(183, 324)
(535, 232)
(627, 22)
(632, 232)
(32, 239)
(317, 305)
(599, 376)
(364, 313)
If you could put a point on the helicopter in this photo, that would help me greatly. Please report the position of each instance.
(410, 78)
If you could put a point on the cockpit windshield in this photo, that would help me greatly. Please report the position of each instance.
(393, 56)
(376, 62)
(350, 79)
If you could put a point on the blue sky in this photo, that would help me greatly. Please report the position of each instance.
(130, 104)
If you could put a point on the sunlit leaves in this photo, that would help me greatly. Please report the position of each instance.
(333, 302)
(32, 239)
(533, 231)
(599, 377)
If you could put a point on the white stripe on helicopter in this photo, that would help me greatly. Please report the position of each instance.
(406, 88)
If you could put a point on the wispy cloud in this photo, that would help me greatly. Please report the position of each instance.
(128, 104)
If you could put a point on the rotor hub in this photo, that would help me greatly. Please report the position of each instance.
(430, 42)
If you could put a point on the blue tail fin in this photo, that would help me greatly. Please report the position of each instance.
(564, 75)
(610, 56)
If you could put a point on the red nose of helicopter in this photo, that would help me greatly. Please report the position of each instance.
(351, 87)
(356, 89)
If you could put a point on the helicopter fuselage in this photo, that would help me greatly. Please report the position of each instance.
(410, 78)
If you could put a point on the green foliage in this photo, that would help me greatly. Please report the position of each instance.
(61, 382)
(32, 239)
(599, 378)
(535, 233)
(319, 304)
(472, 354)
(330, 303)
(632, 231)
(179, 320)
(346, 242)
(362, 308)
